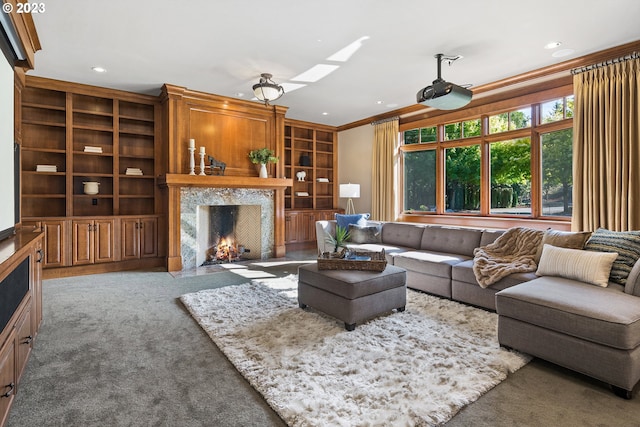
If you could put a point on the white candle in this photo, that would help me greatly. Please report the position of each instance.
(201, 150)
(192, 143)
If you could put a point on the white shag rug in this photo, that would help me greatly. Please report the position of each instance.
(415, 368)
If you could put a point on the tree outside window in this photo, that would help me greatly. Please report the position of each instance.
(420, 181)
(463, 179)
(511, 177)
(557, 176)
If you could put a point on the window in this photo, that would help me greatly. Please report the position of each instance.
(467, 129)
(420, 181)
(463, 179)
(513, 120)
(557, 177)
(421, 136)
(555, 110)
(515, 168)
(511, 177)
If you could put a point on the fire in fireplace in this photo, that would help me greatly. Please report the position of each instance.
(231, 231)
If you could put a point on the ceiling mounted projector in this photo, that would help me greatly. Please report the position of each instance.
(444, 95)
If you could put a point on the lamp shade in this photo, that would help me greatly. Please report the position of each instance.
(350, 191)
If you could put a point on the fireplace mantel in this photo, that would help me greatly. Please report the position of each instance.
(221, 181)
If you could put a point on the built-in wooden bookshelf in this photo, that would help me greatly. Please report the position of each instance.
(310, 148)
(72, 134)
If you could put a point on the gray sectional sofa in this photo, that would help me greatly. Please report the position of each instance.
(590, 329)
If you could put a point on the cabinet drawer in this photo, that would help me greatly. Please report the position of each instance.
(7, 378)
(23, 341)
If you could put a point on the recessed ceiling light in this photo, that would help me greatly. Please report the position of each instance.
(99, 69)
(379, 102)
(325, 113)
(239, 94)
(562, 52)
(552, 45)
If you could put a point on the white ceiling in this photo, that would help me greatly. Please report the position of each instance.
(222, 47)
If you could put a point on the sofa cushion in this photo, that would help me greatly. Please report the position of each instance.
(605, 316)
(344, 220)
(463, 272)
(586, 266)
(563, 239)
(408, 235)
(432, 263)
(369, 233)
(451, 240)
(625, 243)
(490, 236)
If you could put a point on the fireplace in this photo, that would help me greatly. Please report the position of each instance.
(228, 233)
(243, 215)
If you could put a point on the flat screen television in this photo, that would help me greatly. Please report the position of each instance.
(9, 150)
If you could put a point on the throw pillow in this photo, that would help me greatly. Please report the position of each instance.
(344, 220)
(371, 233)
(625, 243)
(563, 239)
(586, 266)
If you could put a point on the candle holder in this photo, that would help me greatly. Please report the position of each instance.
(192, 161)
(202, 163)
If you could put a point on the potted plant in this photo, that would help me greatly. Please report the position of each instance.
(340, 239)
(262, 156)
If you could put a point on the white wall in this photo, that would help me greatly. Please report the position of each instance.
(355, 151)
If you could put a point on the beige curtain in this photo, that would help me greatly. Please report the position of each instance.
(385, 151)
(606, 148)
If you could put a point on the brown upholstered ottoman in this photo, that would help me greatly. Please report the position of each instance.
(352, 296)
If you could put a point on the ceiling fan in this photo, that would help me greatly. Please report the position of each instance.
(444, 95)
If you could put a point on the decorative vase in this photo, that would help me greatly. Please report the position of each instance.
(263, 171)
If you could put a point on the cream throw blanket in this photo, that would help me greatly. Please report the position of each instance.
(512, 252)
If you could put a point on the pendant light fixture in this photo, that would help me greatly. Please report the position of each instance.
(267, 90)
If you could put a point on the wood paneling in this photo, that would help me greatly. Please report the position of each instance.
(228, 129)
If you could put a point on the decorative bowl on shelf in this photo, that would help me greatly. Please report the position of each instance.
(91, 187)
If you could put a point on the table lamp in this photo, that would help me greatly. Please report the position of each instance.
(350, 191)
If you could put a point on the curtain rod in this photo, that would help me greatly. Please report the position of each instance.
(634, 55)
(389, 119)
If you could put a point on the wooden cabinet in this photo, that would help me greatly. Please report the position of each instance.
(300, 226)
(53, 250)
(19, 271)
(310, 149)
(93, 241)
(139, 237)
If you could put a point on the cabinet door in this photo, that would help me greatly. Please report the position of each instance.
(148, 237)
(23, 341)
(7, 378)
(129, 240)
(291, 233)
(307, 227)
(54, 243)
(82, 242)
(103, 230)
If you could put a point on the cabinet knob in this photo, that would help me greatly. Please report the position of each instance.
(40, 253)
(28, 339)
(12, 387)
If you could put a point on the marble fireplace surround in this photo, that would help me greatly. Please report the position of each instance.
(210, 190)
(193, 198)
